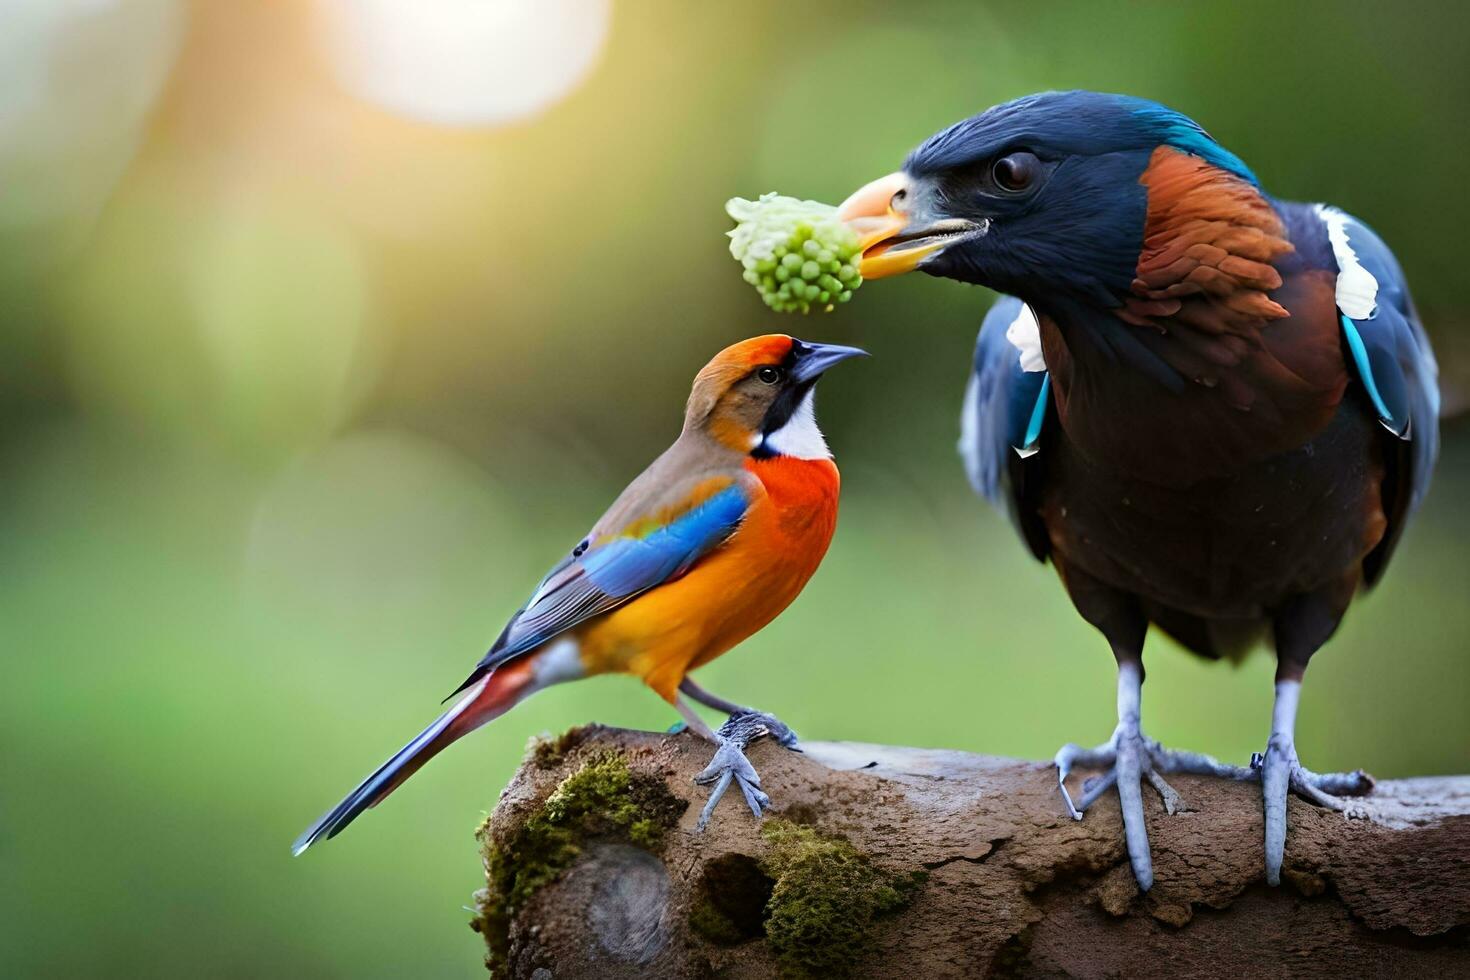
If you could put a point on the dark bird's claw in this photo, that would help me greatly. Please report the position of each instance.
(1128, 758)
(1280, 773)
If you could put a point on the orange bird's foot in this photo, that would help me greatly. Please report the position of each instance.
(730, 765)
(747, 724)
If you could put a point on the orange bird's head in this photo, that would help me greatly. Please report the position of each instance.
(756, 396)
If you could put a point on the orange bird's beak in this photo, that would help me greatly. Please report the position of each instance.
(893, 242)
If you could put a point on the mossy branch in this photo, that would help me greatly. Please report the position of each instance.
(938, 863)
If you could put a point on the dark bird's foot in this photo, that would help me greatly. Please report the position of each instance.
(1280, 773)
(1128, 758)
(730, 764)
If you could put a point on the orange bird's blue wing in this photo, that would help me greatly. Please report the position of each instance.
(669, 532)
(598, 576)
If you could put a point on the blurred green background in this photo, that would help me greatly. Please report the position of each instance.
(325, 327)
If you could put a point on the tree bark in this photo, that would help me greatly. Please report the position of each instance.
(877, 859)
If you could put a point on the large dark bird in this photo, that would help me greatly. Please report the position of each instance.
(1212, 410)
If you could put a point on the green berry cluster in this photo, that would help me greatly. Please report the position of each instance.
(797, 254)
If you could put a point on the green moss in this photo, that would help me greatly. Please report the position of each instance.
(551, 751)
(826, 897)
(604, 798)
(707, 921)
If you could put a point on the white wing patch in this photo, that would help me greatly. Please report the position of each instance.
(1357, 290)
(561, 661)
(970, 431)
(1024, 333)
(799, 437)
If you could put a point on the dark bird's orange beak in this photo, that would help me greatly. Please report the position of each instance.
(892, 243)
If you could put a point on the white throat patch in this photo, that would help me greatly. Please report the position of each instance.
(799, 437)
(1357, 290)
(1024, 333)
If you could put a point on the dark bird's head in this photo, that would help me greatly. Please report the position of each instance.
(1056, 194)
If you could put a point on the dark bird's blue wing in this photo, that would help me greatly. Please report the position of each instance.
(1006, 405)
(1393, 362)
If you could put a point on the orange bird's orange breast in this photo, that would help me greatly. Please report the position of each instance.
(734, 592)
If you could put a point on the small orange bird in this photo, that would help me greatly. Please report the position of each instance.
(706, 547)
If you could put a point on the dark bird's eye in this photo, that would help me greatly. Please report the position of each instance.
(1016, 171)
(769, 375)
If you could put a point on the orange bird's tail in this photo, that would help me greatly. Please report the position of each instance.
(489, 698)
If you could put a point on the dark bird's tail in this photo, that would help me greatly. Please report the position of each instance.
(488, 698)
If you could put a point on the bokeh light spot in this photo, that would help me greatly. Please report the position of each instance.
(279, 299)
(463, 62)
(77, 81)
